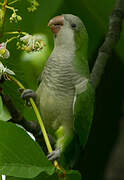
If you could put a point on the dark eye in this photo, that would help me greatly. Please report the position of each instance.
(73, 25)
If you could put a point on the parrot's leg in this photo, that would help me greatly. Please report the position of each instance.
(63, 138)
(27, 94)
(54, 155)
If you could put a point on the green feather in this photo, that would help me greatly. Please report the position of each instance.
(83, 113)
(84, 105)
(80, 61)
(83, 109)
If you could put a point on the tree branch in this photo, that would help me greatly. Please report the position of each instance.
(30, 126)
(111, 39)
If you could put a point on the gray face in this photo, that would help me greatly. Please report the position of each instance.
(73, 22)
(65, 21)
(64, 28)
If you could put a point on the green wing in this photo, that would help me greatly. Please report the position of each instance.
(84, 101)
(83, 111)
(83, 115)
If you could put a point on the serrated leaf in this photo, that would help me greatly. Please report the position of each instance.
(20, 156)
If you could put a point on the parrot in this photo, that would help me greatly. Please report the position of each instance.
(65, 95)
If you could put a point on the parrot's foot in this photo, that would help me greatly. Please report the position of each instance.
(54, 155)
(27, 94)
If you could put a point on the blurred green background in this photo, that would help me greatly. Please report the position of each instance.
(110, 94)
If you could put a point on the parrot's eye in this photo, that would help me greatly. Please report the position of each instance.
(73, 25)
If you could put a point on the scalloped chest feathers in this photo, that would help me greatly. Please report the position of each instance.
(56, 91)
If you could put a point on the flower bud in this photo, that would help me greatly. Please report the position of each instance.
(4, 53)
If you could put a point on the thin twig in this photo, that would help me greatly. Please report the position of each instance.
(13, 2)
(12, 38)
(37, 113)
(11, 8)
(15, 32)
(112, 37)
(2, 23)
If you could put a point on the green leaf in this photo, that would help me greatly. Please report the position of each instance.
(69, 175)
(40, 177)
(5, 114)
(20, 156)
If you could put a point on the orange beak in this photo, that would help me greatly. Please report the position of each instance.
(56, 23)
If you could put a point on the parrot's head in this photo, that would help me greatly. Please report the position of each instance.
(68, 30)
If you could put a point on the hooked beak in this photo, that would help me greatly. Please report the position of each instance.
(56, 23)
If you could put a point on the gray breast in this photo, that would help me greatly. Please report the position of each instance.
(58, 74)
(57, 90)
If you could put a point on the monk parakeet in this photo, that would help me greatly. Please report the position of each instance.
(65, 95)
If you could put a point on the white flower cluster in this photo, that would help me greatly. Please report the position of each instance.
(4, 71)
(31, 43)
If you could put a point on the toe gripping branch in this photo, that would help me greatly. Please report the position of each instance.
(54, 155)
(26, 94)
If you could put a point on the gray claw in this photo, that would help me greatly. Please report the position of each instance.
(27, 94)
(54, 155)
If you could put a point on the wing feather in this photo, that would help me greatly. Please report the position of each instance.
(83, 110)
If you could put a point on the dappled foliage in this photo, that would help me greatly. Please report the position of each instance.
(21, 161)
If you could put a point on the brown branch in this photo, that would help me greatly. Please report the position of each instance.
(111, 39)
(30, 126)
